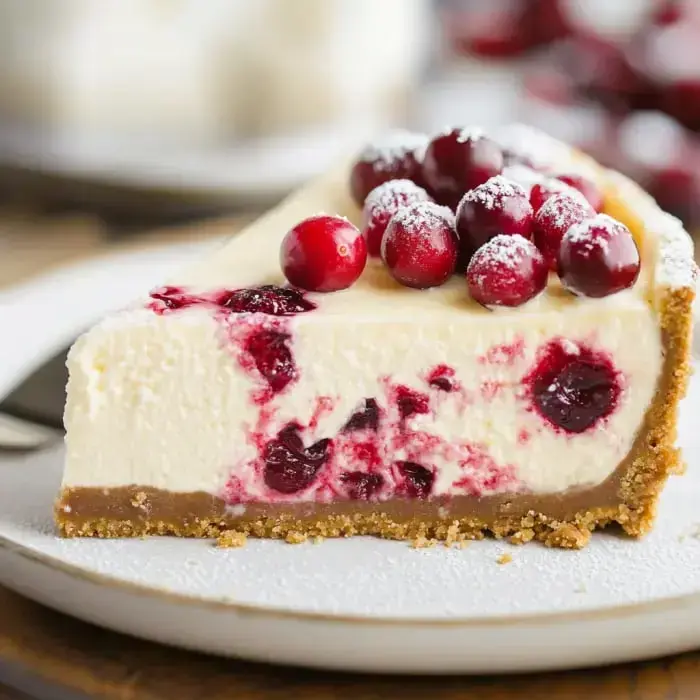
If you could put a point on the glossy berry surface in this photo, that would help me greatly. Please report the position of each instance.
(268, 299)
(271, 353)
(554, 219)
(506, 271)
(458, 161)
(365, 418)
(417, 480)
(419, 246)
(598, 257)
(362, 486)
(382, 203)
(497, 207)
(587, 187)
(543, 191)
(323, 254)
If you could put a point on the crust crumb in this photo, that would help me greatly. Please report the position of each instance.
(505, 558)
(296, 538)
(232, 539)
(422, 542)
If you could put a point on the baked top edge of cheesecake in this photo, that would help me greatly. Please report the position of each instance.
(222, 402)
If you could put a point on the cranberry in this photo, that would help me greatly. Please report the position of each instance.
(542, 191)
(598, 257)
(289, 468)
(586, 187)
(458, 161)
(506, 271)
(323, 254)
(366, 418)
(573, 387)
(382, 203)
(272, 357)
(411, 402)
(442, 377)
(394, 157)
(418, 481)
(420, 245)
(362, 486)
(498, 206)
(268, 299)
(558, 214)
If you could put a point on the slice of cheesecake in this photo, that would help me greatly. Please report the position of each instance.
(413, 402)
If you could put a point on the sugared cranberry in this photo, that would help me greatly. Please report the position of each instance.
(418, 481)
(366, 418)
(268, 299)
(382, 203)
(289, 467)
(557, 215)
(507, 271)
(362, 486)
(498, 206)
(323, 254)
(458, 161)
(542, 191)
(598, 257)
(272, 357)
(420, 245)
(587, 187)
(396, 156)
(573, 387)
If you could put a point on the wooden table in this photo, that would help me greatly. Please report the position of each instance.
(61, 653)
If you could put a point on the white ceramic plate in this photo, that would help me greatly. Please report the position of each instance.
(359, 604)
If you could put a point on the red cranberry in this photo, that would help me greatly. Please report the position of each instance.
(272, 357)
(573, 387)
(362, 486)
(491, 32)
(506, 271)
(289, 468)
(366, 418)
(396, 156)
(586, 187)
(554, 219)
(542, 191)
(268, 299)
(418, 481)
(420, 245)
(323, 254)
(411, 402)
(498, 206)
(382, 203)
(442, 377)
(598, 257)
(458, 161)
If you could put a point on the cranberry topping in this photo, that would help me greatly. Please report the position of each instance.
(273, 357)
(507, 271)
(382, 203)
(442, 377)
(174, 298)
(542, 191)
(420, 245)
(323, 254)
(558, 214)
(366, 418)
(268, 299)
(586, 187)
(411, 402)
(289, 468)
(458, 161)
(362, 486)
(573, 387)
(418, 481)
(598, 257)
(498, 206)
(395, 157)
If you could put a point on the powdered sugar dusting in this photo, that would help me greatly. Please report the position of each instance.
(490, 194)
(470, 133)
(386, 195)
(424, 212)
(533, 145)
(503, 251)
(384, 151)
(561, 209)
(588, 233)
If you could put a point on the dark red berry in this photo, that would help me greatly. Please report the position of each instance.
(507, 271)
(366, 418)
(498, 206)
(411, 402)
(587, 187)
(542, 191)
(442, 377)
(362, 486)
(557, 215)
(268, 299)
(382, 203)
(458, 161)
(272, 357)
(323, 254)
(396, 156)
(289, 468)
(420, 245)
(418, 481)
(598, 257)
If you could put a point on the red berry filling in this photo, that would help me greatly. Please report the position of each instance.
(366, 418)
(442, 377)
(362, 486)
(598, 257)
(507, 271)
(458, 161)
(382, 203)
(268, 299)
(417, 480)
(273, 357)
(573, 387)
(289, 467)
(323, 254)
(395, 157)
(420, 245)
(498, 206)
(411, 402)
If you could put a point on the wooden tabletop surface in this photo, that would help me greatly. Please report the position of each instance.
(43, 651)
